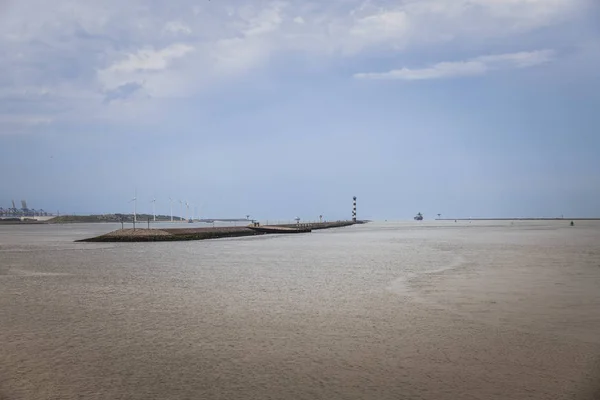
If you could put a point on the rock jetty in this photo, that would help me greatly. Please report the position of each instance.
(182, 234)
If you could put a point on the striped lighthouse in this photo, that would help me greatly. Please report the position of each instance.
(354, 209)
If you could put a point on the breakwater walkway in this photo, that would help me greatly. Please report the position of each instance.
(183, 234)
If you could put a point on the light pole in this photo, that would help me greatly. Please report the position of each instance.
(134, 200)
(153, 209)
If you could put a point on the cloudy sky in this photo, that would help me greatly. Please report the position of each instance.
(285, 108)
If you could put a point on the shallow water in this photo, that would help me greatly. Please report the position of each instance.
(433, 310)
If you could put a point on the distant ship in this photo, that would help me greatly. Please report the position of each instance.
(419, 217)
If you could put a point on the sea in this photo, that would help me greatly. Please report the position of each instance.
(386, 310)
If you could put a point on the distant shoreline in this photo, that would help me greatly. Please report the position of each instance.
(13, 222)
(115, 218)
(84, 220)
(517, 219)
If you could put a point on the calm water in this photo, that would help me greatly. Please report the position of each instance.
(380, 311)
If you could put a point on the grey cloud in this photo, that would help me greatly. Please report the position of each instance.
(122, 92)
(65, 45)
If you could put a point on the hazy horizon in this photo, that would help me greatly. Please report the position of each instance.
(281, 109)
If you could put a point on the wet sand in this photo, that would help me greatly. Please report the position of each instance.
(383, 311)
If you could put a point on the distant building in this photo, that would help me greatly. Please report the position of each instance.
(24, 211)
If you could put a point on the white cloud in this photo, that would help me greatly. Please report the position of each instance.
(236, 55)
(268, 20)
(522, 59)
(140, 68)
(389, 28)
(492, 17)
(176, 27)
(150, 60)
(471, 67)
(252, 43)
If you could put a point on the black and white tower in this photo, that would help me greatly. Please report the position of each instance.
(354, 209)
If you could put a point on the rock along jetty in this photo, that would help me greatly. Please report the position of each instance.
(182, 234)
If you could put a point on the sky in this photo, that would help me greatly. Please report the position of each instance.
(278, 109)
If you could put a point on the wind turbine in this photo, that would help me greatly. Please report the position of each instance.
(134, 200)
(154, 208)
(171, 201)
(187, 206)
(181, 203)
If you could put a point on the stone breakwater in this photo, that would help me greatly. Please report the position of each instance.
(322, 225)
(183, 234)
